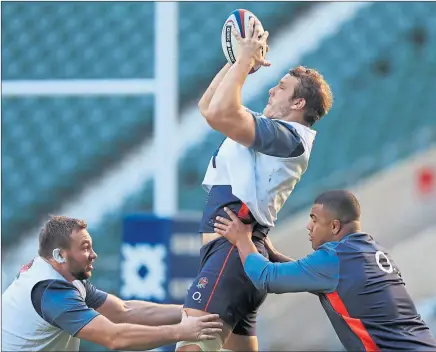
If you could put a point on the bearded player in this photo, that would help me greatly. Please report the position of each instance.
(252, 173)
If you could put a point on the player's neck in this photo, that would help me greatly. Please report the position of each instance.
(350, 228)
(60, 269)
(295, 118)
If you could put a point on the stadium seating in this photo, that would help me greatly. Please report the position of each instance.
(79, 137)
(75, 139)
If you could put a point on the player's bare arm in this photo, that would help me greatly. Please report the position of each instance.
(205, 100)
(140, 312)
(135, 337)
(226, 113)
(274, 255)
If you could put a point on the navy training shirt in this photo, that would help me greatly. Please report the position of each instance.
(60, 304)
(360, 288)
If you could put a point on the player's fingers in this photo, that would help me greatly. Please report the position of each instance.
(266, 63)
(231, 214)
(209, 317)
(223, 220)
(251, 26)
(220, 226)
(236, 34)
(257, 29)
(206, 337)
(210, 331)
(264, 37)
(220, 232)
(212, 325)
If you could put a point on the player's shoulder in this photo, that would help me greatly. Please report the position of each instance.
(53, 290)
(291, 129)
(357, 242)
(324, 259)
(329, 247)
(255, 113)
(54, 285)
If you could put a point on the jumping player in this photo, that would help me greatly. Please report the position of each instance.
(253, 172)
(358, 284)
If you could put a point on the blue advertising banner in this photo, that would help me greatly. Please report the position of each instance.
(159, 258)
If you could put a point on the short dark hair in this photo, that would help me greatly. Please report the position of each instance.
(56, 233)
(342, 203)
(315, 90)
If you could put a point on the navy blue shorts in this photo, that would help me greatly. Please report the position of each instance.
(222, 287)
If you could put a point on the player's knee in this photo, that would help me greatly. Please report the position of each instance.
(244, 343)
(206, 345)
(188, 348)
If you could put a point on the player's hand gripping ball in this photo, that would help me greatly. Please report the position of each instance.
(236, 27)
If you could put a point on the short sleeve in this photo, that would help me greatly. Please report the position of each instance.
(94, 297)
(60, 304)
(276, 138)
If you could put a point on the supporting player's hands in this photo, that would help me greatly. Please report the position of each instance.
(234, 229)
(199, 328)
(271, 249)
(253, 47)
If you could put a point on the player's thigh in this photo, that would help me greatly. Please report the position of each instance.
(185, 346)
(241, 343)
(244, 334)
(227, 330)
(220, 286)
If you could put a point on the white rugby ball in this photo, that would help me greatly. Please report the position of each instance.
(238, 19)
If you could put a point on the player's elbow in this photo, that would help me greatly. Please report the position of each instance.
(204, 108)
(261, 279)
(212, 114)
(209, 110)
(217, 117)
(117, 345)
(117, 341)
(259, 284)
(122, 314)
(258, 280)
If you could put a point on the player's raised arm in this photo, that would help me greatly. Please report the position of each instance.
(205, 100)
(226, 113)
